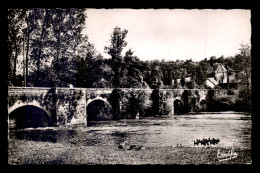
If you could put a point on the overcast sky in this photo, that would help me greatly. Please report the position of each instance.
(172, 34)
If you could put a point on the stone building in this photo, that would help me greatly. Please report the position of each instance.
(220, 73)
(218, 76)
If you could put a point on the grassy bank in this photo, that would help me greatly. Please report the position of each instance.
(30, 152)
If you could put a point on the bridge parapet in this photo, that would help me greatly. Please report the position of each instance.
(69, 105)
(21, 96)
(63, 104)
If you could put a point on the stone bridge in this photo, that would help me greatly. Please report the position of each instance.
(39, 106)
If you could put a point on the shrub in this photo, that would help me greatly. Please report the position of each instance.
(137, 102)
(222, 104)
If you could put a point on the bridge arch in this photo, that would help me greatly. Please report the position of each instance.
(98, 109)
(34, 103)
(28, 116)
(97, 98)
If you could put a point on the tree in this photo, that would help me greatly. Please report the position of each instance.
(48, 37)
(169, 77)
(66, 36)
(114, 99)
(182, 81)
(129, 58)
(132, 77)
(220, 59)
(186, 101)
(53, 39)
(117, 43)
(89, 63)
(40, 38)
(212, 60)
(15, 18)
(155, 78)
(246, 87)
(199, 75)
(191, 84)
(30, 25)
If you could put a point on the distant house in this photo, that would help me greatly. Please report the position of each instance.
(211, 82)
(220, 73)
(176, 82)
(187, 79)
(218, 76)
(234, 81)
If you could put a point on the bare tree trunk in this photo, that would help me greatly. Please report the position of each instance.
(40, 48)
(38, 62)
(27, 49)
(24, 65)
(228, 80)
(26, 58)
(15, 60)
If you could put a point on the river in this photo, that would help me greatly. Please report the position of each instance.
(232, 129)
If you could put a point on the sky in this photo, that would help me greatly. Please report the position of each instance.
(172, 34)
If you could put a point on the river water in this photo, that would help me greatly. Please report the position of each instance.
(232, 129)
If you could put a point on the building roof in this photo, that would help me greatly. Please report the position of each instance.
(212, 80)
(220, 68)
(209, 83)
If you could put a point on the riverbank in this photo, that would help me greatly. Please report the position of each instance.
(31, 152)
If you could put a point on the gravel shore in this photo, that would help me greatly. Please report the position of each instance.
(30, 152)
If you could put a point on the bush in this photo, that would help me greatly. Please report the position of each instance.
(136, 101)
(244, 102)
(222, 104)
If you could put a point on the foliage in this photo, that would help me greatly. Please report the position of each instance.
(137, 103)
(223, 104)
(90, 69)
(117, 43)
(190, 84)
(56, 53)
(132, 76)
(245, 92)
(51, 37)
(155, 78)
(155, 102)
(186, 101)
(199, 75)
(182, 81)
(114, 100)
(15, 18)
